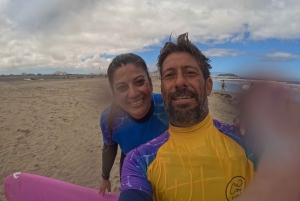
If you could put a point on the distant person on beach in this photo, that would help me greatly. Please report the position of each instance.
(192, 160)
(135, 115)
(223, 85)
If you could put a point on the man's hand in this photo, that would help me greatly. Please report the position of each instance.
(270, 115)
(105, 184)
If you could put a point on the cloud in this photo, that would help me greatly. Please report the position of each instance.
(217, 52)
(43, 33)
(280, 57)
(43, 15)
(152, 67)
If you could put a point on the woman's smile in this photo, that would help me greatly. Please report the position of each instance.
(136, 103)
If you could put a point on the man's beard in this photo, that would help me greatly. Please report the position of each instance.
(182, 117)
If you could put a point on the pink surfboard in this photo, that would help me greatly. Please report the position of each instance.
(30, 187)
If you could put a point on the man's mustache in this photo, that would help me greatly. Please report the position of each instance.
(182, 92)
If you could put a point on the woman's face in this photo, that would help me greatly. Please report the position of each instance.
(132, 90)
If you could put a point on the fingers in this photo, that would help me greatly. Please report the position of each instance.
(101, 191)
(105, 184)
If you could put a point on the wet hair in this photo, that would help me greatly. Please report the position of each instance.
(184, 45)
(119, 62)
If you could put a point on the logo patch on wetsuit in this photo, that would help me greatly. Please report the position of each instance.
(235, 187)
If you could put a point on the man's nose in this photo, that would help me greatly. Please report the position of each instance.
(181, 81)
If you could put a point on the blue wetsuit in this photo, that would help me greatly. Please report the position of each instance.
(130, 133)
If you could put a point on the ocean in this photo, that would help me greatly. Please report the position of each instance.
(236, 85)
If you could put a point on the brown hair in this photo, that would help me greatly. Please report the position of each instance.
(116, 63)
(184, 45)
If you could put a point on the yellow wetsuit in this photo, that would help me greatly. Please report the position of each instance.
(191, 163)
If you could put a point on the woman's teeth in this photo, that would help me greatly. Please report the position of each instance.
(136, 102)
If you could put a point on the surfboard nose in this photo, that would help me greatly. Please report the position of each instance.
(29, 187)
(11, 193)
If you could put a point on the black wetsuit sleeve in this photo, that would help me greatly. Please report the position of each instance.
(136, 195)
(109, 153)
(121, 162)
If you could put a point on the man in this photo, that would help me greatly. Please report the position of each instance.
(223, 85)
(192, 160)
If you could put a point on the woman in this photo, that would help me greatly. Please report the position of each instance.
(134, 117)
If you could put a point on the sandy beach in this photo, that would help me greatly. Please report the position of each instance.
(51, 128)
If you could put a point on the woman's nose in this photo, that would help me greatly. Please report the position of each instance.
(133, 92)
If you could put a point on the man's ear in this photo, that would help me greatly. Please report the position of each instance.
(208, 86)
(161, 89)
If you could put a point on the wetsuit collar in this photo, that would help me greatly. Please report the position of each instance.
(202, 125)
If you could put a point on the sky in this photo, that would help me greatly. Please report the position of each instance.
(240, 37)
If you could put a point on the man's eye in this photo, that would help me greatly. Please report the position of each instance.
(169, 75)
(190, 73)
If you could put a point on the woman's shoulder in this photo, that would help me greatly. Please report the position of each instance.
(105, 112)
(120, 114)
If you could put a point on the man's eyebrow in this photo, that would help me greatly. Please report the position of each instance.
(187, 66)
(172, 67)
(168, 68)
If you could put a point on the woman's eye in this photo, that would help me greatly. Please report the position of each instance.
(140, 82)
(121, 88)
